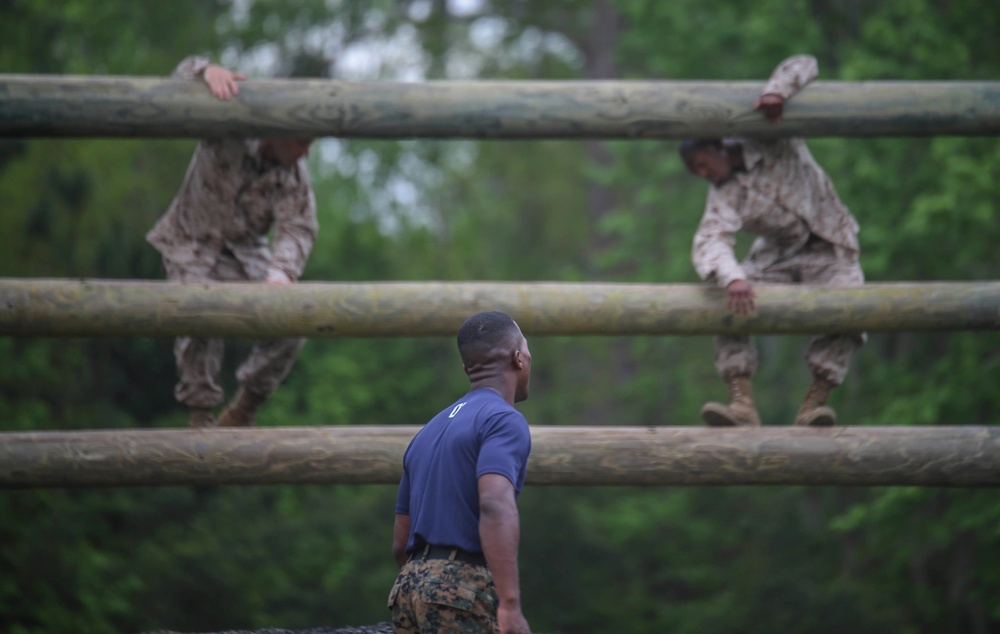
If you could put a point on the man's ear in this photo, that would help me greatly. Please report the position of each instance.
(516, 360)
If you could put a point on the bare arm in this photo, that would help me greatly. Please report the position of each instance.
(500, 532)
(400, 534)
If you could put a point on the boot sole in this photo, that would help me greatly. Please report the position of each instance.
(714, 420)
(820, 417)
(227, 420)
(716, 416)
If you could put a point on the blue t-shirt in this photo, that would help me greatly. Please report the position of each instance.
(478, 434)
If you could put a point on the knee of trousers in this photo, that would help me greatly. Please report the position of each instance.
(735, 357)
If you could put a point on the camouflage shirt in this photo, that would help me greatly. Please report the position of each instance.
(230, 200)
(783, 197)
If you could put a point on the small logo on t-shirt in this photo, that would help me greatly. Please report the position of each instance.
(455, 411)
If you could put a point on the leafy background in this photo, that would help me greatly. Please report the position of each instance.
(688, 560)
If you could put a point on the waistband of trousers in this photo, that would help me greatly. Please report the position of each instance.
(447, 552)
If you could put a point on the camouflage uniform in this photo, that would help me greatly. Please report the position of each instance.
(444, 597)
(216, 229)
(805, 234)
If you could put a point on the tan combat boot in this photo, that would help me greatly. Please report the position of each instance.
(740, 412)
(201, 417)
(241, 411)
(814, 412)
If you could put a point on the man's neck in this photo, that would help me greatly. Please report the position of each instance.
(505, 392)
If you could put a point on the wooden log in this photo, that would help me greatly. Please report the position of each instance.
(78, 106)
(635, 456)
(101, 308)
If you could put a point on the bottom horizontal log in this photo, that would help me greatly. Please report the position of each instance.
(634, 456)
(378, 628)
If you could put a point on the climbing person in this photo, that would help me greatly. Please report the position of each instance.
(235, 193)
(457, 528)
(775, 190)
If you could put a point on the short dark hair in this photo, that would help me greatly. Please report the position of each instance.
(484, 332)
(690, 146)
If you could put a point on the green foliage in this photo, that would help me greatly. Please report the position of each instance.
(783, 559)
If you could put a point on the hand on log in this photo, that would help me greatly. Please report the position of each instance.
(772, 105)
(222, 81)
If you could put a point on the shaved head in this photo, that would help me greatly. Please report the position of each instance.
(484, 335)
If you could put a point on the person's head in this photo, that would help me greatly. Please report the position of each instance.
(492, 346)
(707, 158)
(285, 151)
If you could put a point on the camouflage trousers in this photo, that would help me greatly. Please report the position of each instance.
(828, 356)
(199, 359)
(444, 597)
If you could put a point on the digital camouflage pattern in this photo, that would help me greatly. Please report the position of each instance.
(805, 235)
(783, 197)
(444, 597)
(199, 359)
(828, 356)
(216, 229)
(229, 202)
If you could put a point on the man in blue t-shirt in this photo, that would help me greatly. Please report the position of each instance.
(457, 528)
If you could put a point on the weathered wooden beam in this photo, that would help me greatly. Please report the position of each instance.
(101, 308)
(636, 456)
(78, 106)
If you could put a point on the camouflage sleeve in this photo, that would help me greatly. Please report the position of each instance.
(190, 68)
(791, 76)
(712, 251)
(294, 232)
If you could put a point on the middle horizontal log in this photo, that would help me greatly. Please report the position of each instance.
(606, 456)
(100, 308)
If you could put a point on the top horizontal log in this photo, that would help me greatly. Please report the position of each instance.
(95, 106)
(102, 308)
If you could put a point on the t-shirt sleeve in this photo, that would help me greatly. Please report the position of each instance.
(506, 443)
(403, 497)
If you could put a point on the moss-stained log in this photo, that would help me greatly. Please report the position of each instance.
(101, 308)
(69, 106)
(868, 456)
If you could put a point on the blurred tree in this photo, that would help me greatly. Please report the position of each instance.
(593, 560)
